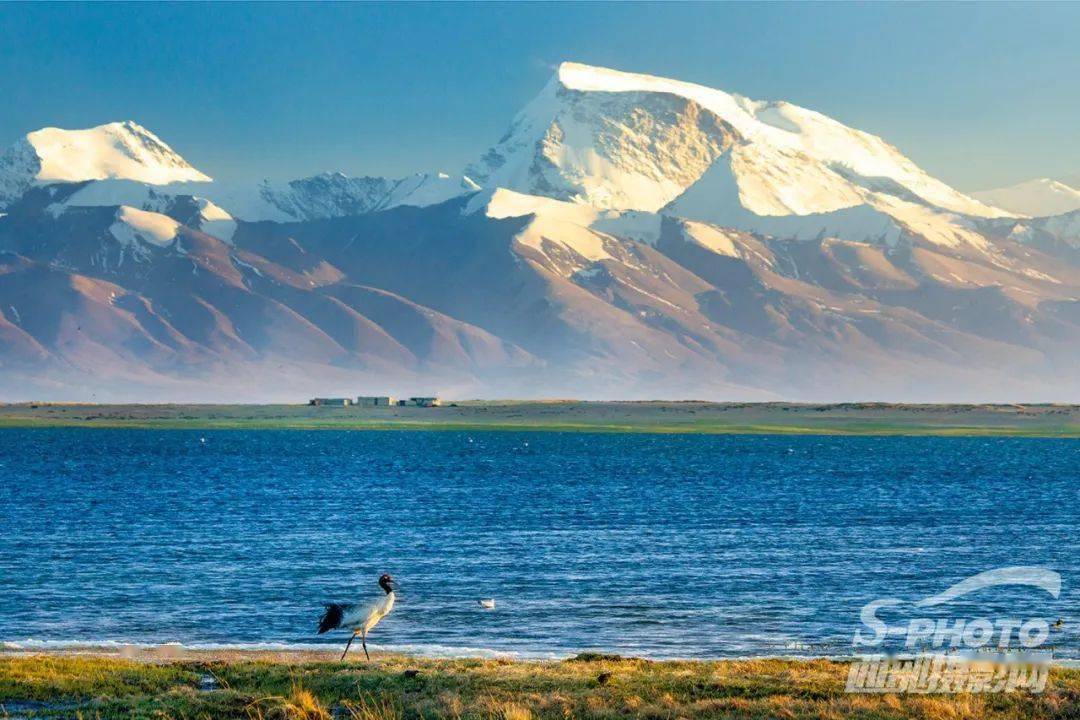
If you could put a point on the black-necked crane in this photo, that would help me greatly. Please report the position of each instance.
(359, 617)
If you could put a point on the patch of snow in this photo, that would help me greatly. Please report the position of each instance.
(646, 293)
(215, 221)
(564, 223)
(581, 228)
(503, 203)
(589, 272)
(1033, 273)
(249, 266)
(133, 225)
(711, 238)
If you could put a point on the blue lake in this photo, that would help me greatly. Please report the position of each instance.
(657, 545)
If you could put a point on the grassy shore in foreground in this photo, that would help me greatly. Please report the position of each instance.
(576, 416)
(295, 686)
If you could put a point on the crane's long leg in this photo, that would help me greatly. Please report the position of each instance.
(351, 638)
(363, 641)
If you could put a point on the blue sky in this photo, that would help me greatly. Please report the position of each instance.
(979, 95)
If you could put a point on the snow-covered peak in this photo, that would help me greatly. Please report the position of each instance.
(1038, 198)
(791, 134)
(611, 150)
(627, 141)
(117, 150)
(587, 78)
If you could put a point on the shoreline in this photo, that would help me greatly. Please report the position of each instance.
(326, 652)
(646, 417)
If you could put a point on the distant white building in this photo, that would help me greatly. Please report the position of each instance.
(379, 401)
(376, 401)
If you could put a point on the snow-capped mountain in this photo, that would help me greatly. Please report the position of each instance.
(636, 142)
(629, 236)
(1041, 197)
(123, 163)
(123, 150)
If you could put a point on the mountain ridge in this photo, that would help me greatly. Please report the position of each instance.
(629, 236)
(1041, 197)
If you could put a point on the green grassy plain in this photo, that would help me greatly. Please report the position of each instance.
(261, 686)
(575, 416)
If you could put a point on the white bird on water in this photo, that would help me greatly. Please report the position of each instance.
(359, 618)
(487, 603)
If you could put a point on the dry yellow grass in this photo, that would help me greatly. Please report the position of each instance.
(269, 687)
(299, 705)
